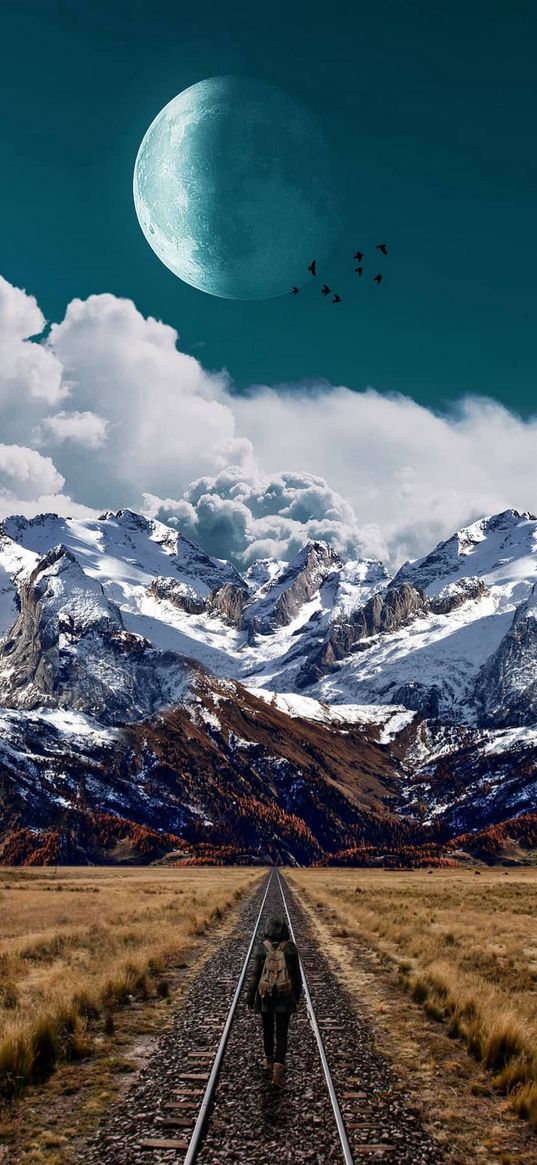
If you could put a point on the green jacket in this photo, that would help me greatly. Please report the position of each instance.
(285, 1003)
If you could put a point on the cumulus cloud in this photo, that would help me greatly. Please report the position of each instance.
(169, 420)
(30, 484)
(83, 428)
(32, 473)
(250, 516)
(30, 373)
(107, 410)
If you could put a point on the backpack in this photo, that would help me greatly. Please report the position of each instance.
(275, 978)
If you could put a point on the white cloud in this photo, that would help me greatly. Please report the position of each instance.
(32, 473)
(20, 315)
(410, 477)
(60, 504)
(83, 428)
(28, 372)
(30, 484)
(250, 516)
(169, 418)
(125, 413)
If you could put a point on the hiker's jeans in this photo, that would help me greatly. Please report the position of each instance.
(280, 1021)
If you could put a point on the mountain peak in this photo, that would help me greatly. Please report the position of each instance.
(495, 543)
(289, 591)
(57, 555)
(315, 551)
(505, 521)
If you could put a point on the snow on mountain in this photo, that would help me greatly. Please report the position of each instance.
(465, 779)
(263, 571)
(334, 590)
(222, 776)
(8, 600)
(506, 688)
(390, 720)
(69, 648)
(123, 550)
(279, 601)
(430, 663)
(105, 622)
(179, 599)
(473, 583)
(340, 632)
(501, 550)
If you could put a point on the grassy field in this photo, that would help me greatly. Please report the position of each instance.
(90, 960)
(465, 948)
(79, 944)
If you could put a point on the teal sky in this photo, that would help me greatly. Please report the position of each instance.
(432, 109)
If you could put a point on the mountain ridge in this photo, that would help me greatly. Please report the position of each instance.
(124, 622)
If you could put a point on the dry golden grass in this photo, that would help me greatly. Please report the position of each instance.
(465, 948)
(77, 945)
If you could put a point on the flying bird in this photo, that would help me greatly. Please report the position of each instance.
(325, 290)
(359, 256)
(336, 299)
(378, 278)
(313, 267)
(382, 247)
(295, 290)
(359, 270)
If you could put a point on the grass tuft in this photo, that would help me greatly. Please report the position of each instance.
(45, 1047)
(525, 1103)
(16, 1063)
(505, 1042)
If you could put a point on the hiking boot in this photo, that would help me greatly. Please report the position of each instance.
(277, 1075)
(267, 1065)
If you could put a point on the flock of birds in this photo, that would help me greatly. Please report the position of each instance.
(359, 270)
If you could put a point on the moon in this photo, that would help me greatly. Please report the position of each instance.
(234, 188)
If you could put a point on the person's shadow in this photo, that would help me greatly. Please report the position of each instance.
(278, 1105)
(273, 1112)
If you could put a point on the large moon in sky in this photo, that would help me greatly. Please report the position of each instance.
(234, 190)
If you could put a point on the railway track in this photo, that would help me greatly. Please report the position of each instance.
(203, 1097)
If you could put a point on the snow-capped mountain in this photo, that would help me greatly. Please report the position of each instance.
(110, 626)
(449, 614)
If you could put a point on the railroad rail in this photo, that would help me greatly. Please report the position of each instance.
(199, 1127)
(202, 1098)
(340, 1124)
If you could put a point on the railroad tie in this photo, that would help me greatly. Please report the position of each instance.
(187, 1091)
(160, 1143)
(176, 1122)
(191, 1105)
(362, 1126)
(193, 1076)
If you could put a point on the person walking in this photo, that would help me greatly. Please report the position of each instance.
(274, 989)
